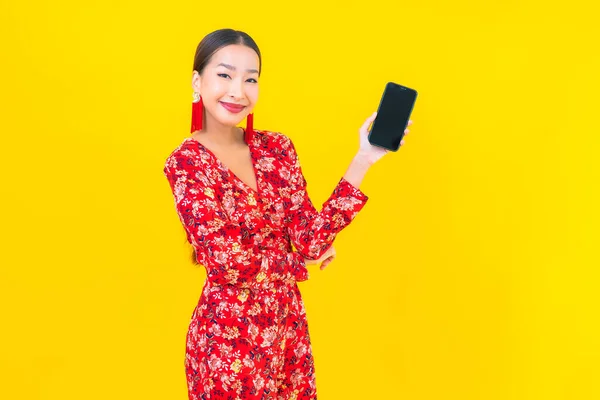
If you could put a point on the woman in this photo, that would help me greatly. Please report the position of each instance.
(241, 197)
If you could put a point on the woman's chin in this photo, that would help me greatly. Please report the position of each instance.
(231, 121)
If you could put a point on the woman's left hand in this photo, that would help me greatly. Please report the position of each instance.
(370, 152)
(325, 259)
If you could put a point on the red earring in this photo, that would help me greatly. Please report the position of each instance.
(197, 112)
(249, 127)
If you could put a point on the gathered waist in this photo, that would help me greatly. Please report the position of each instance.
(266, 284)
(270, 270)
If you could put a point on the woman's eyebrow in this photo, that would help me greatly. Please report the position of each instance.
(231, 67)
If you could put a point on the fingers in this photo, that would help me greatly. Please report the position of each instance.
(406, 131)
(326, 262)
(330, 255)
(409, 124)
(367, 123)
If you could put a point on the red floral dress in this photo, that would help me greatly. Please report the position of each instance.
(248, 335)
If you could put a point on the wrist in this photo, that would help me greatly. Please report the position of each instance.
(358, 169)
(363, 159)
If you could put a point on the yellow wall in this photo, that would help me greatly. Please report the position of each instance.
(472, 273)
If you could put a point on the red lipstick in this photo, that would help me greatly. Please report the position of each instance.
(231, 107)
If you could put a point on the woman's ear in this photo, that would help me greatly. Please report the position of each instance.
(196, 81)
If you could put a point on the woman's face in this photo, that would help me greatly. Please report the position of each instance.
(229, 84)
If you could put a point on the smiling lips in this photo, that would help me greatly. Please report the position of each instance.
(231, 107)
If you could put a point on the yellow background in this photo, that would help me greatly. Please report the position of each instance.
(472, 273)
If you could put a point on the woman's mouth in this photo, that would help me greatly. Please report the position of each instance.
(231, 107)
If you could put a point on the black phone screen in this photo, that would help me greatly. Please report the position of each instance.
(392, 117)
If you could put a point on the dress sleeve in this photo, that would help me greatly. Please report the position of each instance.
(226, 249)
(312, 232)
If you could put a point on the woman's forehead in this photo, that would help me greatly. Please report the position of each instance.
(237, 56)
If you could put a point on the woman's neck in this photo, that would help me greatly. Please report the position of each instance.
(220, 137)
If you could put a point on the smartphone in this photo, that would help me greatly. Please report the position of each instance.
(394, 111)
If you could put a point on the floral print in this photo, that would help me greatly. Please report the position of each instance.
(248, 336)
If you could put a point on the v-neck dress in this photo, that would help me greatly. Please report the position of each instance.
(248, 335)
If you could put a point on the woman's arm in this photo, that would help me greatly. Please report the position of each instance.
(357, 170)
(312, 232)
(225, 249)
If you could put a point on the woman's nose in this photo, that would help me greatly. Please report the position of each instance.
(235, 90)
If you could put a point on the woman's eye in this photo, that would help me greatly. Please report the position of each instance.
(223, 75)
(253, 80)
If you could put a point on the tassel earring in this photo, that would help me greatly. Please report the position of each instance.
(197, 112)
(249, 127)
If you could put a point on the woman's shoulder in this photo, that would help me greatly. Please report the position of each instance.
(273, 139)
(181, 155)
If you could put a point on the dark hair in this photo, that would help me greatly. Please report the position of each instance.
(208, 46)
(214, 41)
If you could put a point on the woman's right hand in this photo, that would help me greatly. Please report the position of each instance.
(325, 259)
